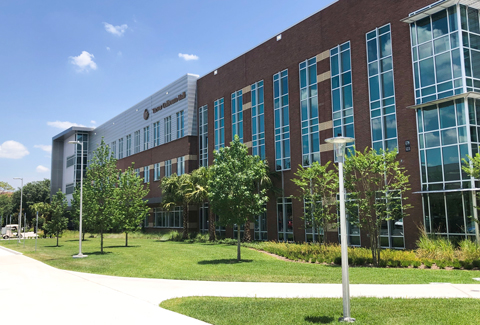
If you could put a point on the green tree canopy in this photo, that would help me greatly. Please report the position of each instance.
(199, 195)
(471, 166)
(33, 192)
(132, 208)
(233, 191)
(58, 222)
(376, 185)
(318, 187)
(100, 200)
(176, 191)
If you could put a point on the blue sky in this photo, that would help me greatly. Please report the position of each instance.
(83, 62)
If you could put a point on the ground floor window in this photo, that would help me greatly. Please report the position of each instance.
(219, 230)
(353, 231)
(285, 219)
(169, 219)
(313, 232)
(448, 214)
(203, 218)
(261, 227)
(391, 234)
(235, 231)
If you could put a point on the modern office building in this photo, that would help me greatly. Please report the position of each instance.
(397, 75)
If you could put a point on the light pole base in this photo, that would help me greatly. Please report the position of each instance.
(346, 319)
(79, 256)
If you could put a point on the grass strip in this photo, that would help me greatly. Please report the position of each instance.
(231, 311)
(153, 258)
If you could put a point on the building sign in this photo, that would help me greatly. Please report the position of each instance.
(170, 102)
(146, 114)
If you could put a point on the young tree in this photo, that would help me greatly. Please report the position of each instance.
(132, 208)
(43, 209)
(376, 185)
(471, 166)
(199, 195)
(234, 194)
(317, 187)
(58, 222)
(176, 192)
(99, 191)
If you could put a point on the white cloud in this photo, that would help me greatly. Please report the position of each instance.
(63, 125)
(42, 169)
(188, 57)
(44, 147)
(115, 30)
(13, 150)
(93, 122)
(108, 48)
(84, 61)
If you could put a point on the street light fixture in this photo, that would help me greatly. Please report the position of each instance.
(339, 144)
(80, 255)
(20, 212)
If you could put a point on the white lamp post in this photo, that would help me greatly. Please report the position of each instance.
(80, 255)
(339, 144)
(20, 213)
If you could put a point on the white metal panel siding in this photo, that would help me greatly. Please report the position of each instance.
(68, 173)
(132, 119)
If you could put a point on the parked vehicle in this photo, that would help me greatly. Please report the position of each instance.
(9, 231)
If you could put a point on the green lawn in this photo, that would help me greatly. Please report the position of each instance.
(231, 311)
(149, 258)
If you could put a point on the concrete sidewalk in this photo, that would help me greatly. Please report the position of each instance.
(30, 288)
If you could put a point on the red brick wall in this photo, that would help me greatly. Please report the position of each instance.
(345, 20)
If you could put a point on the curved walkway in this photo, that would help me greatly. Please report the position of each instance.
(31, 290)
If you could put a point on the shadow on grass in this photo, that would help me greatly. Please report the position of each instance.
(122, 246)
(96, 253)
(224, 261)
(55, 246)
(320, 319)
(84, 240)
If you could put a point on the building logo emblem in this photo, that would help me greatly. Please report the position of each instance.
(146, 114)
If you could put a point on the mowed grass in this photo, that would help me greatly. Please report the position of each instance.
(152, 258)
(231, 311)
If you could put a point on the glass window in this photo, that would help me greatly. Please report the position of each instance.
(167, 122)
(237, 115)
(203, 135)
(219, 127)
(180, 125)
(309, 112)
(282, 130)
(146, 137)
(258, 120)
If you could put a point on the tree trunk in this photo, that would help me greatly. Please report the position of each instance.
(83, 235)
(57, 239)
(238, 243)
(126, 239)
(211, 225)
(101, 241)
(185, 222)
(247, 235)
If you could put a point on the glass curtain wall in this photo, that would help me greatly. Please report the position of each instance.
(120, 148)
(237, 115)
(203, 134)
(342, 95)
(219, 124)
(436, 53)
(381, 89)
(203, 218)
(258, 123)
(137, 141)
(82, 137)
(309, 112)
(282, 121)
(471, 46)
(447, 133)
